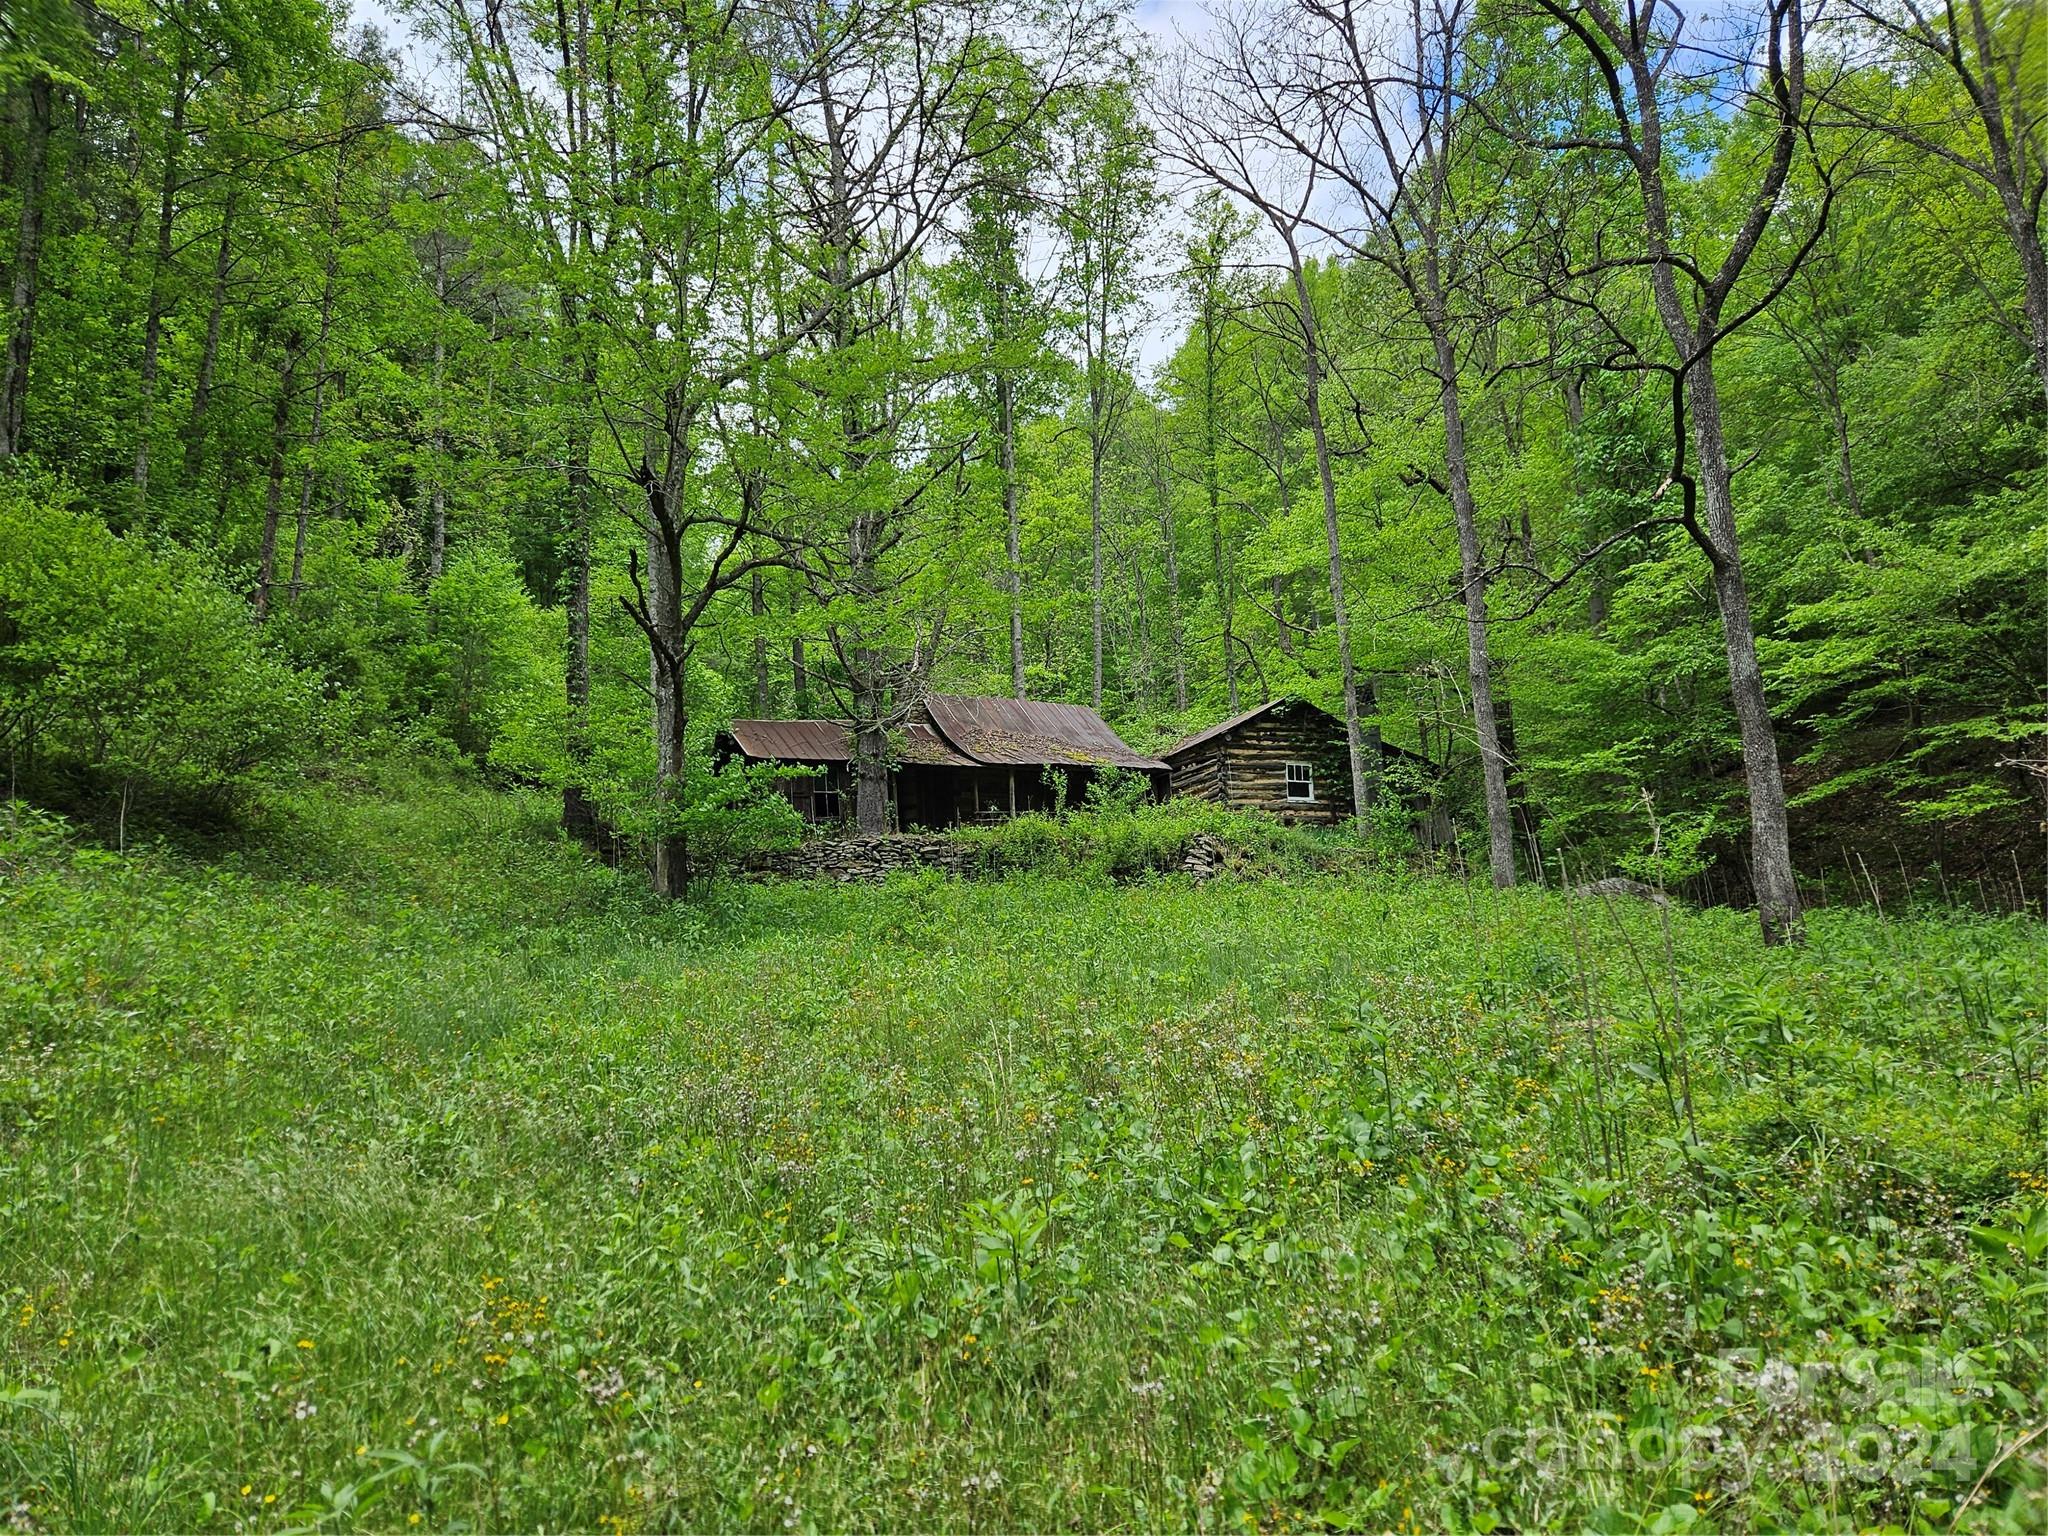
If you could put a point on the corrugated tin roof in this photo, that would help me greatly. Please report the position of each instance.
(969, 733)
(793, 741)
(1032, 732)
(829, 741)
(922, 744)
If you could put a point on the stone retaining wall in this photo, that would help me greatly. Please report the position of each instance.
(868, 858)
(864, 859)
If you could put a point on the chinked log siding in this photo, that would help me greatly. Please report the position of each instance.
(1245, 765)
(1200, 776)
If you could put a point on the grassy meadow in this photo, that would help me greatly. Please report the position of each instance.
(405, 1170)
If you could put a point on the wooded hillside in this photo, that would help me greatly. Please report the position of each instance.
(1641, 416)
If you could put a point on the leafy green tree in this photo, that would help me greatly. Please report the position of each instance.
(1694, 289)
(128, 672)
(1107, 202)
(1212, 287)
(1964, 84)
(489, 649)
(1006, 305)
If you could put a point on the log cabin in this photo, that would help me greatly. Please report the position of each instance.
(1286, 758)
(959, 760)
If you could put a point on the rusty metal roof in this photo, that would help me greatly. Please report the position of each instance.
(922, 744)
(830, 741)
(1031, 732)
(962, 733)
(792, 741)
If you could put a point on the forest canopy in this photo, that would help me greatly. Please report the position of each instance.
(1636, 413)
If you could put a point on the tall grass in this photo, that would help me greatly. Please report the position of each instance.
(413, 1173)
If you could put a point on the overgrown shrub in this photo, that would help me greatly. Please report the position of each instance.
(720, 815)
(491, 653)
(127, 670)
(356, 631)
(1125, 838)
(443, 672)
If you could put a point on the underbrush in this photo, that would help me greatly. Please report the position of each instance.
(415, 1172)
(1128, 841)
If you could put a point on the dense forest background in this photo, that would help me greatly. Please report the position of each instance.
(1640, 416)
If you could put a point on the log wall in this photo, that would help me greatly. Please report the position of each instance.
(1256, 755)
(1247, 768)
(1199, 774)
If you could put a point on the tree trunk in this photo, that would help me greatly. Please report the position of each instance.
(437, 541)
(1173, 614)
(1845, 460)
(1500, 830)
(579, 816)
(437, 495)
(2026, 238)
(1284, 634)
(758, 606)
(273, 497)
(1006, 431)
(153, 319)
(2022, 217)
(671, 704)
(1518, 790)
(209, 352)
(1364, 787)
(1777, 888)
(1212, 488)
(1693, 336)
(1138, 625)
(799, 678)
(1095, 452)
(1281, 633)
(671, 849)
(28, 251)
(315, 429)
(871, 768)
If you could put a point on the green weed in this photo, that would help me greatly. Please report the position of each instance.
(412, 1172)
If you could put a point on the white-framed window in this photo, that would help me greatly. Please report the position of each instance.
(1301, 781)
